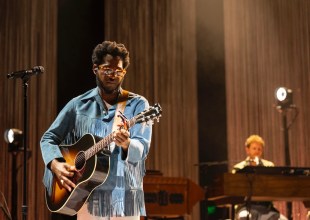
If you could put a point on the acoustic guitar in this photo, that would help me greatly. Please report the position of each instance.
(91, 172)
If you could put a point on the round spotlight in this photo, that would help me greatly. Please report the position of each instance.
(281, 94)
(284, 97)
(13, 136)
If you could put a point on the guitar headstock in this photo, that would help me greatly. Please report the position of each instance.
(149, 115)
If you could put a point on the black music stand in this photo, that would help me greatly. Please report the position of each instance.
(211, 169)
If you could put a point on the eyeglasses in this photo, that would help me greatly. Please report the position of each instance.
(108, 71)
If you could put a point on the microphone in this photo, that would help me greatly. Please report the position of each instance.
(23, 73)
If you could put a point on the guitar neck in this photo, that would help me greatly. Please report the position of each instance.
(104, 143)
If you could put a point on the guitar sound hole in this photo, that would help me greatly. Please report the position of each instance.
(80, 160)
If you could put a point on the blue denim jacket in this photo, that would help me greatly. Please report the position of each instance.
(122, 192)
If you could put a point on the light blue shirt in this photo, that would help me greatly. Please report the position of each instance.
(122, 192)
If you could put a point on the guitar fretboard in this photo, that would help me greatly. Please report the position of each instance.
(104, 143)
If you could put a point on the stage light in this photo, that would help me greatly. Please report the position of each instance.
(284, 97)
(14, 137)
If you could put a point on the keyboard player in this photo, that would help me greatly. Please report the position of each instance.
(254, 147)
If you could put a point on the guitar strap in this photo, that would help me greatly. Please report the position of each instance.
(120, 108)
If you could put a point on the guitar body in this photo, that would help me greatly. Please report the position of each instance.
(91, 173)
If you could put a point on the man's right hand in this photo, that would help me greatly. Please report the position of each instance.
(63, 172)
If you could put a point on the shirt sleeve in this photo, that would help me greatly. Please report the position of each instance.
(53, 137)
(140, 136)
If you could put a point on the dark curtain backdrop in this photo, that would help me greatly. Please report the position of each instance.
(267, 45)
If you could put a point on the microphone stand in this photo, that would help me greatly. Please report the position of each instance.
(287, 156)
(25, 76)
(25, 139)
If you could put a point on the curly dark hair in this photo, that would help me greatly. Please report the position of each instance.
(112, 48)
